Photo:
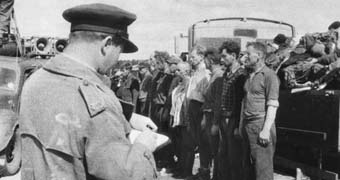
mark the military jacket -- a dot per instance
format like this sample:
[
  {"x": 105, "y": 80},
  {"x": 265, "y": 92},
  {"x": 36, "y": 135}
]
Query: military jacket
[{"x": 73, "y": 128}]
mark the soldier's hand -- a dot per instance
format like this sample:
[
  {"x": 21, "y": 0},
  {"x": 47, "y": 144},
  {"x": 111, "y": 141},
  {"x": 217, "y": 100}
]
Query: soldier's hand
[{"x": 148, "y": 139}]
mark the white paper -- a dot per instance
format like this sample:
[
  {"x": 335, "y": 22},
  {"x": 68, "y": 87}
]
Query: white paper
[
  {"x": 141, "y": 123},
  {"x": 160, "y": 141}
]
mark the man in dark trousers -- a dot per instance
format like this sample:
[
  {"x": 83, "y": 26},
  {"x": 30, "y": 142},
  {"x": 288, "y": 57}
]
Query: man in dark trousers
[
  {"x": 72, "y": 125},
  {"x": 197, "y": 85},
  {"x": 208, "y": 143},
  {"x": 154, "y": 101},
  {"x": 161, "y": 115},
  {"x": 226, "y": 94},
  {"x": 259, "y": 110}
]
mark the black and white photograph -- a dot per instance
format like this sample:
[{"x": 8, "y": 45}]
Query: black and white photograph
[{"x": 169, "y": 90}]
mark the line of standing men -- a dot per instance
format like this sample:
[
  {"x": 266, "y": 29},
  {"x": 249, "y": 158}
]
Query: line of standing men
[
  {"x": 224, "y": 106},
  {"x": 72, "y": 125}
]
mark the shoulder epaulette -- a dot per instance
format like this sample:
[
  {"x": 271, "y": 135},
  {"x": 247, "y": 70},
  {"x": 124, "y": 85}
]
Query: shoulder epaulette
[{"x": 94, "y": 101}]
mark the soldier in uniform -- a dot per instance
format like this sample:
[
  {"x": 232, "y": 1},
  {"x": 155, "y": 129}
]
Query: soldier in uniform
[{"x": 72, "y": 125}]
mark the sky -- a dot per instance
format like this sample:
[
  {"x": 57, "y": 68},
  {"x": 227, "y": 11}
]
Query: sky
[{"x": 159, "y": 21}]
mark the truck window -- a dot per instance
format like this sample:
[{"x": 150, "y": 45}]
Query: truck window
[
  {"x": 8, "y": 79},
  {"x": 246, "y": 33},
  {"x": 212, "y": 33}
]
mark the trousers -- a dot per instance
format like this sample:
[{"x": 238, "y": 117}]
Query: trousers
[
  {"x": 208, "y": 143},
  {"x": 191, "y": 135},
  {"x": 261, "y": 157}
]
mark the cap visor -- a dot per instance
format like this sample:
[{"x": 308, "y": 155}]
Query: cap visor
[{"x": 129, "y": 47}]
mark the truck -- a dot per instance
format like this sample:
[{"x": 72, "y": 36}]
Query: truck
[
  {"x": 213, "y": 32},
  {"x": 308, "y": 128},
  {"x": 15, "y": 67},
  {"x": 13, "y": 72}
]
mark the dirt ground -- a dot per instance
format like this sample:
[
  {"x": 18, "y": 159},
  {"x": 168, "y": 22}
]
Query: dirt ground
[
  {"x": 196, "y": 166},
  {"x": 164, "y": 176}
]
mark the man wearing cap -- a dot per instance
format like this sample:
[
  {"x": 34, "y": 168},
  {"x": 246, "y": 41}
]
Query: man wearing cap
[
  {"x": 128, "y": 91},
  {"x": 157, "y": 59},
  {"x": 166, "y": 86},
  {"x": 72, "y": 125},
  {"x": 161, "y": 101},
  {"x": 280, "y": 54}
]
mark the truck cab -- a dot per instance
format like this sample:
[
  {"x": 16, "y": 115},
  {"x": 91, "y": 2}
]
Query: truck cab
[
  {"x": 13, "y": 72},
  {"x": 213, "y": 32}
]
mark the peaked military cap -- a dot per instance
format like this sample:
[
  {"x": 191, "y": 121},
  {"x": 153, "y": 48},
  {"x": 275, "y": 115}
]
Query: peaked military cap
[{"x": 102, "y": 18}]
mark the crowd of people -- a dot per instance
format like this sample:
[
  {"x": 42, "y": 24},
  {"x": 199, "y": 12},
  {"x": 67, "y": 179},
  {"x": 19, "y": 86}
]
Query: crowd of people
[
  {"x": 218, "y": 103},
  {"x": 312, "y": 63},
  {"x": 221, "y": 103}
]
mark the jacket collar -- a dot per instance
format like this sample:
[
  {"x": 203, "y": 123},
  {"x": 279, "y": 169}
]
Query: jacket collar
[
  {"x": 66, "y": 66},
  {"x": 217, "y": 70},
  {"x": 261, "y": 69}
]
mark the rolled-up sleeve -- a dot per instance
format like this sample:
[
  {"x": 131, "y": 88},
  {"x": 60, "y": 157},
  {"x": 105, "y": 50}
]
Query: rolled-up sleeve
[
  {"x": 109, "y": 154},
  {"x": 272, "y": 86}
]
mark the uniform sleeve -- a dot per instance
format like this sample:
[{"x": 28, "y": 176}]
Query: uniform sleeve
[
  {"x": 272, "y": 85},
  {"x": 109, "y": 154}
]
